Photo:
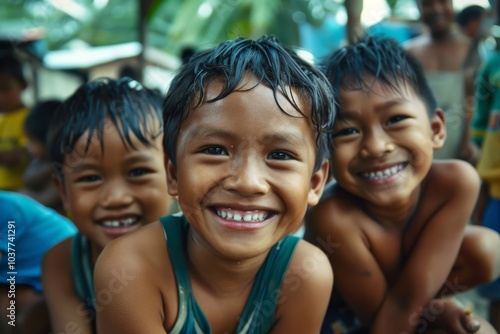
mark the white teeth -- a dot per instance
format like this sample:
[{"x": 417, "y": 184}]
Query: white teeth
[
  {"x": 383, "y": 173},
  {"x": 118, "y": 223},
  {"x": 246, "y": 217}
]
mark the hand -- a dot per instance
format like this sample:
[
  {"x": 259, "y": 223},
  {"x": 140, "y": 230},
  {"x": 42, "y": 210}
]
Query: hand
[{"x": 452, "y": 317}]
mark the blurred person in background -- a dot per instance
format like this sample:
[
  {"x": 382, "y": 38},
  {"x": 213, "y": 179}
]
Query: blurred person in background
[{"x": 13, "y": 141}]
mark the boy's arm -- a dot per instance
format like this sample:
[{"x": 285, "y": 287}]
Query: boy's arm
[
  {"x": 334, "y": 227},
  {"x": 136, "y": 304},
  {"x": 68, "y": 314},
  {"x": 434, "y": 252},
  {"x": 305, "y": 292}
]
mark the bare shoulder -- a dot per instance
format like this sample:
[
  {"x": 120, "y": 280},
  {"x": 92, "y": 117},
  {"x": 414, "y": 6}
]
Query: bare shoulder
[
  {"x": 309, "y": 271},
  {"x": 136, "y": 250},
  {"x": 456, "y": 175},
  {"x": 305, "y": 292},
  {"x": 137, "y": 266},
  {"x": 337, "y": 213}
]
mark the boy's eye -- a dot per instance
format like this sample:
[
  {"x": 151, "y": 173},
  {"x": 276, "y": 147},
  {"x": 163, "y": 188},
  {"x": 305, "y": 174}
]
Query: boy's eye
[
  {"x": 280, "y": 155},
  {"x": 214, "y": 150},
  {"x": 345, "y": 132},
  {"x": 396, "y": 119},
  {"x": 88, "y": 178},
  {"x": 139, "y": 172}
]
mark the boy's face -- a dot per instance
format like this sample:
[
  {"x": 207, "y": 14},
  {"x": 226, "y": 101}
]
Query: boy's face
[
  {"x": 383, "y": 143},
  {"x": 115, "y": 191},
  {"x": 244, "y": 173},
  {"x": 438, "y": 15},
  {"x": 10, "y": 92}
]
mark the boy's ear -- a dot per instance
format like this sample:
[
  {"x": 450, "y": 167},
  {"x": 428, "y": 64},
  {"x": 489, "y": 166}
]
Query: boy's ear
[
  {"x": 318, "y": 181},
  {"x": 59, "y": 184},
  {"x": 171, "y": 177},
  {"x": 438, "y": 126}
]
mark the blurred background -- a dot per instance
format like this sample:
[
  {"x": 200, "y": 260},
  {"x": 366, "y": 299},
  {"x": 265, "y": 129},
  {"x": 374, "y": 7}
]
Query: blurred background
[{"x": 66, "y": 42}]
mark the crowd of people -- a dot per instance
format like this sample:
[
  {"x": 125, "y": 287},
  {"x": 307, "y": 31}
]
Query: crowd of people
[{"x": 263, "y": 193}]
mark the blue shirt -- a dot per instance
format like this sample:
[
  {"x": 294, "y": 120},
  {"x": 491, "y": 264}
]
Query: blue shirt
[{"x": 28, "y": 230}]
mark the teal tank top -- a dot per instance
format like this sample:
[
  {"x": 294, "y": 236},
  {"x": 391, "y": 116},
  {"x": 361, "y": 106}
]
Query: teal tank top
[
  {"x": 259, "y": 312},
  {"x": 83, "y": 273}
]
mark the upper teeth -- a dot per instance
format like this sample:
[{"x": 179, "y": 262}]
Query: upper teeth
[
  {"x": 116, "y": 223},
  {"x": 239, "y": 216},
  {"x": 383, "y": 173}
]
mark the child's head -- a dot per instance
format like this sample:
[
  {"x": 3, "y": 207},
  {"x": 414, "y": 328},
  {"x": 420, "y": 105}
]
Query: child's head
[
  {"x": 272, "y": 64},
  {"x": 469, "y": 19},
  {"x": 387, "y": 124},
  {"x": 246, "y": 124},
  {"x": 438, "y": 15},
  {"x": 106, "y": 145},
  {"x": 36, "y": 126},
  {"x": 358, "y": 66},
  {"x": 12, "y": 82}
]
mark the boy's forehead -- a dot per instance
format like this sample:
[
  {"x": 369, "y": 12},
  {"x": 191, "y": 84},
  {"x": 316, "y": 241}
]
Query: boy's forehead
[{"x": 250, "y": 83}]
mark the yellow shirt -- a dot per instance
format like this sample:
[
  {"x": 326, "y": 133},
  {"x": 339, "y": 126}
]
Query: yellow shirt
[{"x": 12, "y": 137}]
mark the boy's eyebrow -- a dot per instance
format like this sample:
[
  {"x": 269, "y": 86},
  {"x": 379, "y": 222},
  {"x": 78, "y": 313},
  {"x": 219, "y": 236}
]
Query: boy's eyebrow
[
  {"x": 284, "y": 137},
  {"x": 391, "y": 103},
  {"x": 85, "y": 166},
  {"x": 140, "y": 157},
  {"x": 202, "y": 133},
  {"x": 346, "y": 114}
]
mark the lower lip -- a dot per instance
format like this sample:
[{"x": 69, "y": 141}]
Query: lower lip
[
  {"x": 242, "y": 226},
  {"x": 115, "y": 232}
]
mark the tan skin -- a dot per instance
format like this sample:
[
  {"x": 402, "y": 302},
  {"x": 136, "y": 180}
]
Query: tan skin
[
  {"x": 123, "y": 183},
  {"x": 390, "y": 232},
  {"x": 240, "y": 168},
  {"x": 444, "y": 49}
]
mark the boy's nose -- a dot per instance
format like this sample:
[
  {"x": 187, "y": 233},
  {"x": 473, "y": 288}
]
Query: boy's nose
[
  {"x": 116, "y": 194},
  {"x": 376, "y": 145},
  {"x": 247, "y": 177}
]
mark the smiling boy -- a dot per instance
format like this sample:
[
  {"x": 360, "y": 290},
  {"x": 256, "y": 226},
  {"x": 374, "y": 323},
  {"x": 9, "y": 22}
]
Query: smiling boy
[
  {"x": 106, "y": 140},
  {"x": 246, "y": 155},
  {"x": 398, "y": 218}
]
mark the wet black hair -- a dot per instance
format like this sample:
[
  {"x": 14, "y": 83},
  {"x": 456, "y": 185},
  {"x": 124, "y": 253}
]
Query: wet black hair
[
  {"x": 129, "y": 105},
  {"x": 377, "y": 58},
  {"x": 39, "y": 119},
  {"x": 273, "y": 64},
  {"x": 10, "y": 64}
]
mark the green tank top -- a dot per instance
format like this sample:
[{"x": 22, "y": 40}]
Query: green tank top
[
  {"x": 259, "y": 312},
  {"x": 83, "y": 274}
]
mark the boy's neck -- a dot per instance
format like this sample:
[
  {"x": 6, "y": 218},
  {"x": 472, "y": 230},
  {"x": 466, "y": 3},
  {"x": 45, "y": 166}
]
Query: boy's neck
[
  {"x": 222, "y": 277},
  {"x": 396, "y": 215},
  {"x": 443, "y": 36}
]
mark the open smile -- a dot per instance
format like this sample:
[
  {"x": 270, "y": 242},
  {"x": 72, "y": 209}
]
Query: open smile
[
  {"x": 118, "y": 226},
  {"x": 385, "y": 173},
  {"x": 242, "y": 219}
]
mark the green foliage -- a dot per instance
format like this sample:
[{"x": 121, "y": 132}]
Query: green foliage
[{"x": 172, "y": 24}]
